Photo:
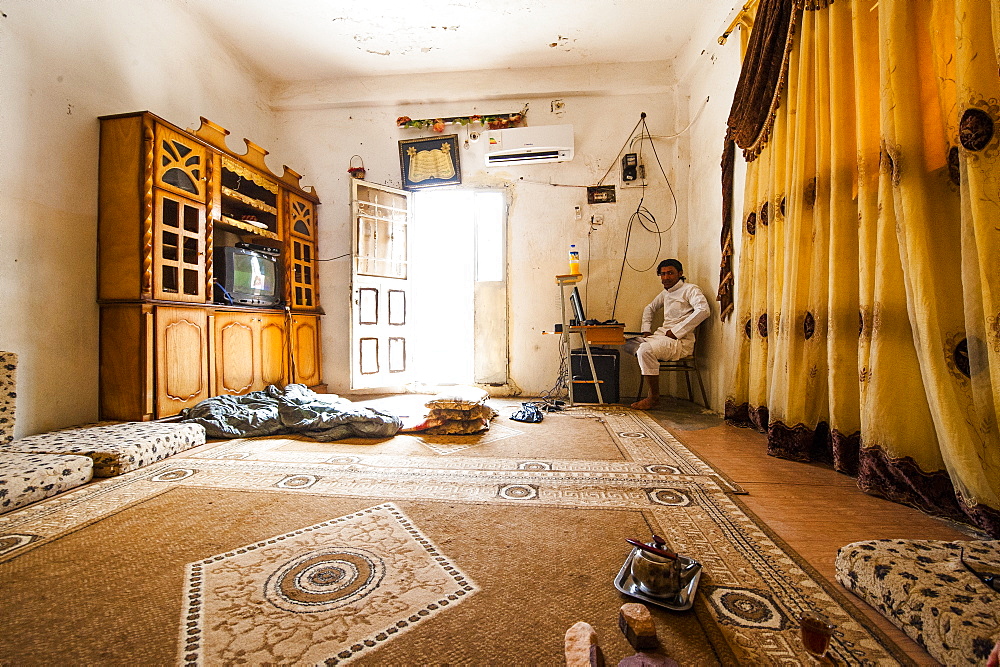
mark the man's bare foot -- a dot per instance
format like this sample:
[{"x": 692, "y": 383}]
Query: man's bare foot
[{"x": 646, "y": 404}]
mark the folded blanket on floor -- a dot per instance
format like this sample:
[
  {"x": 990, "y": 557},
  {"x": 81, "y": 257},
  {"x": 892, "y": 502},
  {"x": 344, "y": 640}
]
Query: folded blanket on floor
[{"x": 294, "y": 409}]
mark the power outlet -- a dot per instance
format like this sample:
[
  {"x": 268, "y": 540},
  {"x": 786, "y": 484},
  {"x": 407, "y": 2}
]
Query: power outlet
[{"x": 597, "y": 219}]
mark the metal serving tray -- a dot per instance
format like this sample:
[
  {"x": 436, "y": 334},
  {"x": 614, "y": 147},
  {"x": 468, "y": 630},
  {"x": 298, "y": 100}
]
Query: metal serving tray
[{"x": 690, "y": 576}]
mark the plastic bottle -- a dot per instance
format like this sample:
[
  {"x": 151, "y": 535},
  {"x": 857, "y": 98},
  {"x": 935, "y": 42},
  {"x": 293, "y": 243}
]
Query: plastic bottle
[{"x": 574, "y": 260}]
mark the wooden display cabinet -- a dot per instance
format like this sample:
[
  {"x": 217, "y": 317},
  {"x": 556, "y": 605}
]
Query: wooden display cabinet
[{"x": 167, "y": 198}]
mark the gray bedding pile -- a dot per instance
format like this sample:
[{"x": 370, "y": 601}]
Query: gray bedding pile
[{"x": 294, "y": 409}]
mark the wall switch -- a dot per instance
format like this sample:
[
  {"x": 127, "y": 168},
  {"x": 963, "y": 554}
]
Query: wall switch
[{"x": 578, "y": 213}]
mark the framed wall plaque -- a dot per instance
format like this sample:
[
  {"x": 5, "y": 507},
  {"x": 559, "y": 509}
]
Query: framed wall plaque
[{"x": 430, "y": 162}]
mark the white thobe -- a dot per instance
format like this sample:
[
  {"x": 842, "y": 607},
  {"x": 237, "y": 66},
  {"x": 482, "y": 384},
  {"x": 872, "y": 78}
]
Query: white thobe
[{"x": 684, "y": 307}]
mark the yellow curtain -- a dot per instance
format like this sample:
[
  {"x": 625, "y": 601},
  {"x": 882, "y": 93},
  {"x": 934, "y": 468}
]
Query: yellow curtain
[{"x": 868, "y": 288}]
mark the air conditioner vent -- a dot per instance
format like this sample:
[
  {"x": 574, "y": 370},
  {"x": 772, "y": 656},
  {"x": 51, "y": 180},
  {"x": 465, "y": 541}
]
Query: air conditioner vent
[{"x": 529, "y": 145}]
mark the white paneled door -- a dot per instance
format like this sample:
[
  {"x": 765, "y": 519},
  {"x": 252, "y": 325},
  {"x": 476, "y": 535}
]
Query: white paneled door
[{"x": 380, "y": 287}]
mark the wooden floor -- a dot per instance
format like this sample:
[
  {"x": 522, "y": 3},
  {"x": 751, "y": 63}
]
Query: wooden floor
[{"x": 810, "y": 506}]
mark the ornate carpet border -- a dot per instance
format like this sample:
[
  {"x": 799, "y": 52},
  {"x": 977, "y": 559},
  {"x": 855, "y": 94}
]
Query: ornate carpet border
[
  {"x": 49, "y": 519},
  {"x": 666, "y": 440},
  {"x": 831, "y": 589}
]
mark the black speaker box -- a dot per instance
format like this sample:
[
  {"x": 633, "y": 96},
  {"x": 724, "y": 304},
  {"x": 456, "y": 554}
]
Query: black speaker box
[{"x": 606, "y": 365}]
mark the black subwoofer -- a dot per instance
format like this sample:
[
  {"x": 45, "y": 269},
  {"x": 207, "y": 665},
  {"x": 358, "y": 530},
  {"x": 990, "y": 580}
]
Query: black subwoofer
[{"x": 606, "y": 365}]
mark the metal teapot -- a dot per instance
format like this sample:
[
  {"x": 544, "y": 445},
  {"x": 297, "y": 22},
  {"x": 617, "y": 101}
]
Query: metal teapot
[{"x": 655, "y": 569}]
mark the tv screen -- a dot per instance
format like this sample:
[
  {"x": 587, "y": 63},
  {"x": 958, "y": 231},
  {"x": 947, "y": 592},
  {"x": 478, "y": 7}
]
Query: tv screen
[{"x": 246, "y": 278}]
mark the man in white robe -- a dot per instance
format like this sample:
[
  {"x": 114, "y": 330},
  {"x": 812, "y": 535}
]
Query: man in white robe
[{"x": 684, "y": 307}]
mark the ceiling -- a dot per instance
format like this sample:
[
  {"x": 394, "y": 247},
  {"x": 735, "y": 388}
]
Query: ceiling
[{"x": 287, "y": 41}]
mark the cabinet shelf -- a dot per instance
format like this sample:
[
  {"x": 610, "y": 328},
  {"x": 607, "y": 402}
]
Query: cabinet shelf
[
  {"x": 236, "y": 205},
  {"x": 249, "y": 201},
  {"x": 249, "y": 227}
]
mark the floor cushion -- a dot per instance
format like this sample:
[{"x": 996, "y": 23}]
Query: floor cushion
[
  {"x": 461, "y": 410},
  {"x": 116, "y": 448},
  {"x": 938, "y": 593},
  {"x": 26, "y": 478},
  {"x": 8, "y": 395}
]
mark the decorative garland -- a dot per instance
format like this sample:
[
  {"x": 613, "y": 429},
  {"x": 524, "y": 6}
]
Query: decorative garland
[{"x": 494, "y": 122}]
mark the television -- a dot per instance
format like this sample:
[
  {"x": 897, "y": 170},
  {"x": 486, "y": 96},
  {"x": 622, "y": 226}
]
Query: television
[{"x": 246, "y": 277}]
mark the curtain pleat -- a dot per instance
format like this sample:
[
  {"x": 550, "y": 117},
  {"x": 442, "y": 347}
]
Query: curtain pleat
[
  {"x": 868, "y": 294},
  {"x": 843, "y": 285}
]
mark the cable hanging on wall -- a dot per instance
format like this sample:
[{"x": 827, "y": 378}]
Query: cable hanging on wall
[{"x": 642, "y": 215}]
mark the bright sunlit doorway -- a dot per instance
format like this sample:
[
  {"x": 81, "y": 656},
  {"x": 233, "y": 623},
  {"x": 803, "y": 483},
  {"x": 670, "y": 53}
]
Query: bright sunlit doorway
[{"x": 459, "y": 287}]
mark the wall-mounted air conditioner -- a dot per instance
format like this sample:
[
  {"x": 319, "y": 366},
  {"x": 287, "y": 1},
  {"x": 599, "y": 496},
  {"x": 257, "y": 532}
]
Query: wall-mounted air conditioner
[{"x": 529, "y": 145}]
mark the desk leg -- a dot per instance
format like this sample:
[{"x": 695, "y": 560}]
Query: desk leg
[
  {"x": 593, "y": 371},
  {"x": 566, "y": 364},
  {"x": 565, "y": 359}
]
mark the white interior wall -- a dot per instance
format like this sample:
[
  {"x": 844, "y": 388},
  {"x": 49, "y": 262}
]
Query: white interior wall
[
  {"x": 63, "y": 65},
  {"x": 325, "y": 123},
  {"x": 541, "y": 222},
  {"x": 708, "y": 87}
]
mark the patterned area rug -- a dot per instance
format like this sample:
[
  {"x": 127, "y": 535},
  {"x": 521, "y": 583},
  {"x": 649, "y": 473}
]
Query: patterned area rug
[{"x": 405, "y": 551}]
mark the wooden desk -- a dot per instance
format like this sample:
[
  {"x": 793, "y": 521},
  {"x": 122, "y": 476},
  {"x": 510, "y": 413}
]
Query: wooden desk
[
  {"x": 598, "y": 334},
  {"x": 602, "y": 334}
]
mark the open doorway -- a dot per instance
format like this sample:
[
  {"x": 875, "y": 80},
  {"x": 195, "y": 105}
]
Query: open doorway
[{"x": 459, "y": 287}]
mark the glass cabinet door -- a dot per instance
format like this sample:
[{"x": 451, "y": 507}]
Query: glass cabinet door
[
  {"x": 303, "y": 275},
  {"x": 178, "y": 249},
  {"x": 301, "y": 225},
  {"x": 179, "y": 164},
  {"x": 301, "y": 217}
]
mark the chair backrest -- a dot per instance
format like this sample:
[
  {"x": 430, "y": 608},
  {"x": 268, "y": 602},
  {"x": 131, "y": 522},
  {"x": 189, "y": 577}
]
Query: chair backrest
[
  {"x": 8, "y": 395},
  {"x": 694, "y": 348}
]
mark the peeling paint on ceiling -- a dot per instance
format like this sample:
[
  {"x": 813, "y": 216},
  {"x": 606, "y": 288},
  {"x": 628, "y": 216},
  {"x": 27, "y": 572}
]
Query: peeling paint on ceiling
[
  {"x": 305, "y": 40},
  {"x": 561, "y": 42}
]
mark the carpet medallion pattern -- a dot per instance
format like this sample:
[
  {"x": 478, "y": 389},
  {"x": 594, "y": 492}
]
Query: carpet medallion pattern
[
  {"x": 294, "y": 552},
  {"x": 320, "y": 594}
]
